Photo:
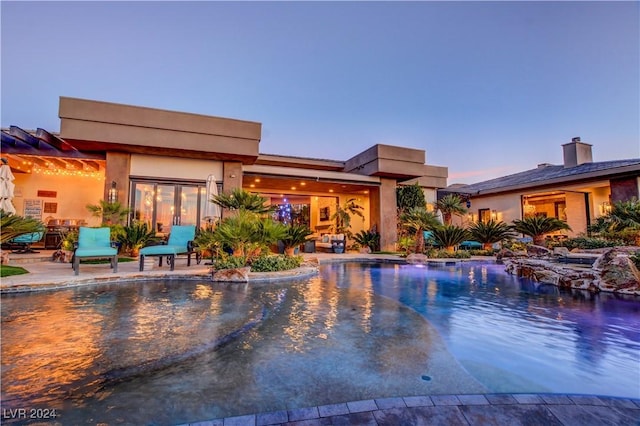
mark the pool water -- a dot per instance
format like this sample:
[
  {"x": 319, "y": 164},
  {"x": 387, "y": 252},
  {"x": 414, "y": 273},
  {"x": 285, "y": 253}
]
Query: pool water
[{"x": 168, "y": 352}]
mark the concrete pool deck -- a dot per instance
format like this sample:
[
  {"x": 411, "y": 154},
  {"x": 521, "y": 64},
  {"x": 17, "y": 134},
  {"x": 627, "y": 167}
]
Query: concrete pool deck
[{"x": 477, "y": 409}]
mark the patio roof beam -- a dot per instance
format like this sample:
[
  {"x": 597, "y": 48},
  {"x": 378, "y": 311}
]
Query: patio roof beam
[
  {"x": 31, "y": 140},
  {"x": 54, "y": 141}
]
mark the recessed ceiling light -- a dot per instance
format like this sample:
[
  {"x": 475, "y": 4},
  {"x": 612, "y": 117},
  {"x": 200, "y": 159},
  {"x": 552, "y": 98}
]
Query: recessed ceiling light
[
  {"x": 331, "y": 190},
  {"x": 256, "y": 180},
  {"x": 302, "y": 183},
  {"x": 293, "y": 188}
]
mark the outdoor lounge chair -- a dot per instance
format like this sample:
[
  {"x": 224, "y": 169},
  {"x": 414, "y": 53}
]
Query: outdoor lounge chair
[
  {"x": 23, "y": 242},
  {"x": 94, "y": 243},
  {"x": 180, "y": 242}
]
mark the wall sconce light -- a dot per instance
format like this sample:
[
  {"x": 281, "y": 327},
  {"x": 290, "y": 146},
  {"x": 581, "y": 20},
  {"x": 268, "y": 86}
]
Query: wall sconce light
[
  {"x": 468, "y": 204},
  {"x": 113, "y": 193},
  {"x": 494, "y": 215}
]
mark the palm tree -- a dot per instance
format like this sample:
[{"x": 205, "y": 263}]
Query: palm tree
[
  {"x": 111, "y": 213},
  {"x": 537, "y": 226},
  {"x": 417, "y": 220},
  {"x": 449, "y": 205},
  {"x": 490, "y": 232},
  {"x": 247, "y": 233},
  {"x": 239, "y": 199},
  {"x": 449, "y": 236},
  {"x": 342, "y": 216},
  {"x": 623, "y": 215}
]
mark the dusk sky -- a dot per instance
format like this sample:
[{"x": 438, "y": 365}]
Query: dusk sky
[{"x": 485, "y": 88}]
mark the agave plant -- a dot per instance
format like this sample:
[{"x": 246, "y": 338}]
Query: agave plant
[
  {"x": 239, "y": 199},
  {"x": 135, "y": 236},
  {"x": 449, "y": 205},
  {"x": 13, "y": 226},
  {"x": 369, "y": 239},
  {"x": 490, "y": 232},
  {"x": 416, "y": 220},
  {"x": 295, "y": 235},
  {"x": 537, "y": 226},
  {"x": 450, "y": 236}
]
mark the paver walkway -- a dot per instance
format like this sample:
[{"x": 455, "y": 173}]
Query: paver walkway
[{"x": 450, "y": 410}]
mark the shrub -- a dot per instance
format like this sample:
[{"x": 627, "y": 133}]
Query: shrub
[
  {"x": 635, "y": 258},
  {"x": 450, "y": 236},
  {"x": 229, "y": 262},
  {"x": 586, "y": 243},
  {"x": 481, "y": 252},
  {"x": 369, "y": 239},
  {"x": 410, "y": 196},
  {"x": 274, "y": 263},
  {"x": 439, "y": 253}
]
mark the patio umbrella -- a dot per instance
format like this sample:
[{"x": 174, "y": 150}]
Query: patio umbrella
[
  {"x": 6, "y": 188},
  {"x": 211, "y": 210}
]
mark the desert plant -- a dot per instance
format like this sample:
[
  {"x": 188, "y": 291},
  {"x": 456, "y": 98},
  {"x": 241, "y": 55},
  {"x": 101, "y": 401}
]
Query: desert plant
[
  {"x": 490, "y": 232},
  {"x": 248, "y": 234},
  {"x": 206, "y": 243},
  {"x": 409, "y": 196},
  {"x": 369, "y": 239},
  {"x": 69, "y": 240},
  {"x": 111, "y": 213},
  {"x": 405, "y": 244},
  {"x": 450, "y": 205},
  {"x": 295, "y": 236},
  {"x": 12, "y": 226},
  {"x": 449, "y": 236},
  {"x": 135, "y": 236},
  {"x": 415, "y": 221},
  {"x": 274, "y": 263},
  {"x": 537, "y": 226},
  {"x": 587, "y": 243},
  {"x": 342, "y": 216},
  {"x": 239, "y": 199}
]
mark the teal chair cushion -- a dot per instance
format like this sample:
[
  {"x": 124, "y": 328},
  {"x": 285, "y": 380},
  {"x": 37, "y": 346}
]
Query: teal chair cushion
[
  {"x": 28, "y": 238},
  {"x": 90, "y": 238},
  {"x": 181, "y": 235},
  {"x": 161, "y": 250},
  {"x": 95, "y": 252}
]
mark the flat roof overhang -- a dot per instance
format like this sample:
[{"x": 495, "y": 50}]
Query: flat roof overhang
[
  {"x": 97, "y": 126},
  {"x": 272, "y": 179}
]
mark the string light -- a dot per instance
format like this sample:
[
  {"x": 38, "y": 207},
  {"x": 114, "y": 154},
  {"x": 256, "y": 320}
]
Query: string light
[{"x": 67, "y": 172}]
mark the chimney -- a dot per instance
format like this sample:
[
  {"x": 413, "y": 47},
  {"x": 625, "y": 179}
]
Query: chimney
[{"x": 576, "y": 153}]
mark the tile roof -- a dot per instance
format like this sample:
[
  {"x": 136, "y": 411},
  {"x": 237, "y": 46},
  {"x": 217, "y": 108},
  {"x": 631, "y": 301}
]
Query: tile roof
[{"x": 547, "y": 173}]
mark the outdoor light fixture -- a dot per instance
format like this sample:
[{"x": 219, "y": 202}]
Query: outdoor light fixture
[
  {"x": 494, "y": 215},
  {"x": 113, "y": 193},
  {"x": 605, "y": 208}
]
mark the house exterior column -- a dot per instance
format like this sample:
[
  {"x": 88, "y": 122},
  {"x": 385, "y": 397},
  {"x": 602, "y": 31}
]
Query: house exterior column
[
  {"x": 117, "y": 169},
  {"x": 384, "y": 213}
]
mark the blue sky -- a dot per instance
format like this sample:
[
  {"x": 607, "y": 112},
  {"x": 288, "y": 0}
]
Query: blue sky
[{"x": 485, "y": 88}]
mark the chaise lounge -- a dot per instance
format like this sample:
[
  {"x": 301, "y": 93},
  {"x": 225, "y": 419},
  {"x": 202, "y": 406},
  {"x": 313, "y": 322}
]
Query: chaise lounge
[
  {"x": 24, "y": 242},
  {"x": 180, "y": 242},
  {"x": 94, "y": 243}
]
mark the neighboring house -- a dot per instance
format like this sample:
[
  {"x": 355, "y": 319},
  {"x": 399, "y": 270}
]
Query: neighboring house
[
  {"x": 158, "y": 163},
  {"x": 577, "y": 191}
]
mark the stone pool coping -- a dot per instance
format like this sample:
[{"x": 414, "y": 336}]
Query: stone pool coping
[
  {"x": 48, "y": 275},
  {"x": 464, "y": 409}
]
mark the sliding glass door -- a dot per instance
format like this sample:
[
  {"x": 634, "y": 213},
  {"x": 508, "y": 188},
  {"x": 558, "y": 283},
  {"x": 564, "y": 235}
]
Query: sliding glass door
[{"x": 164, "y": 204}]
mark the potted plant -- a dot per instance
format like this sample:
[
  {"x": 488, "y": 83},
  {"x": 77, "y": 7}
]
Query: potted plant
[
  {"x": 135, "y": 236},
  {"x": 295, "y": 236}
]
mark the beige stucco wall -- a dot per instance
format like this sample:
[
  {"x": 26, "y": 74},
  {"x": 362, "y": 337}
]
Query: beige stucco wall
[
  {"x": 176, "y": 168},
  {"x": 72, "y": 195}
]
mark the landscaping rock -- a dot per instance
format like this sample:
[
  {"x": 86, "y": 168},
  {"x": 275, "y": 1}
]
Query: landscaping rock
[
  {"x": 417, "y": 259},
  {"x": 538, "y": 251},
  {"x": 561, "y": 251},
  {"x": 613, "y": 271},
  {"x": 505, "y": 253},
  {"x": 238, "y": 275},
  {"x": 311, "y": 262}
]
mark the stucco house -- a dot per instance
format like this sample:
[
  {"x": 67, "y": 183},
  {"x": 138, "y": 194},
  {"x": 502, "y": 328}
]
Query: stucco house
[
  {"x": 158, "y": 162},
  {"x": 577, "y": 191}
]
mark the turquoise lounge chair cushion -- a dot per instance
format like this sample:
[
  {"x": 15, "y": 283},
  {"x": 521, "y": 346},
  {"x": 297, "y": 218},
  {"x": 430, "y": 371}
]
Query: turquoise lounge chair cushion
[
  {"x": 28, "y": 238},
  {"x": 90, "y": 238},
  {"x": 95, "y": 252},
  {"x": 178, "y": 242},
  {"x": 161, "y": 250}
]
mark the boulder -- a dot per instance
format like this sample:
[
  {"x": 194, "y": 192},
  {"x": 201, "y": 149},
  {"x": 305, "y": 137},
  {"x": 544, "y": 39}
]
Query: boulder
[
  {"x": 417, "y": 259},
  {"x": 505, "y": 253},
  {"x": 237, "y": 275},
  {"x": 312, "y": 262},
  {"x": 561, "y": 251},
  {"x": 613, "y": 271},
  {"x": 538, "y": 251}
]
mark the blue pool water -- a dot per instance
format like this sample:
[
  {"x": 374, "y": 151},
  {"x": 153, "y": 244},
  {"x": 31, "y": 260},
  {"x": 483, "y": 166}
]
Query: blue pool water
[{"x": 169, "y": 352}]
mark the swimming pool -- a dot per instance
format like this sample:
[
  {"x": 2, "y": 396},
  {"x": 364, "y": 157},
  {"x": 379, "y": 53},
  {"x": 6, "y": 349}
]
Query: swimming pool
[{"x": 168, "y": 352}]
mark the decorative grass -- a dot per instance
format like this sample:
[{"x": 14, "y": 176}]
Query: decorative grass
[{"x": 7, "y": 271}]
